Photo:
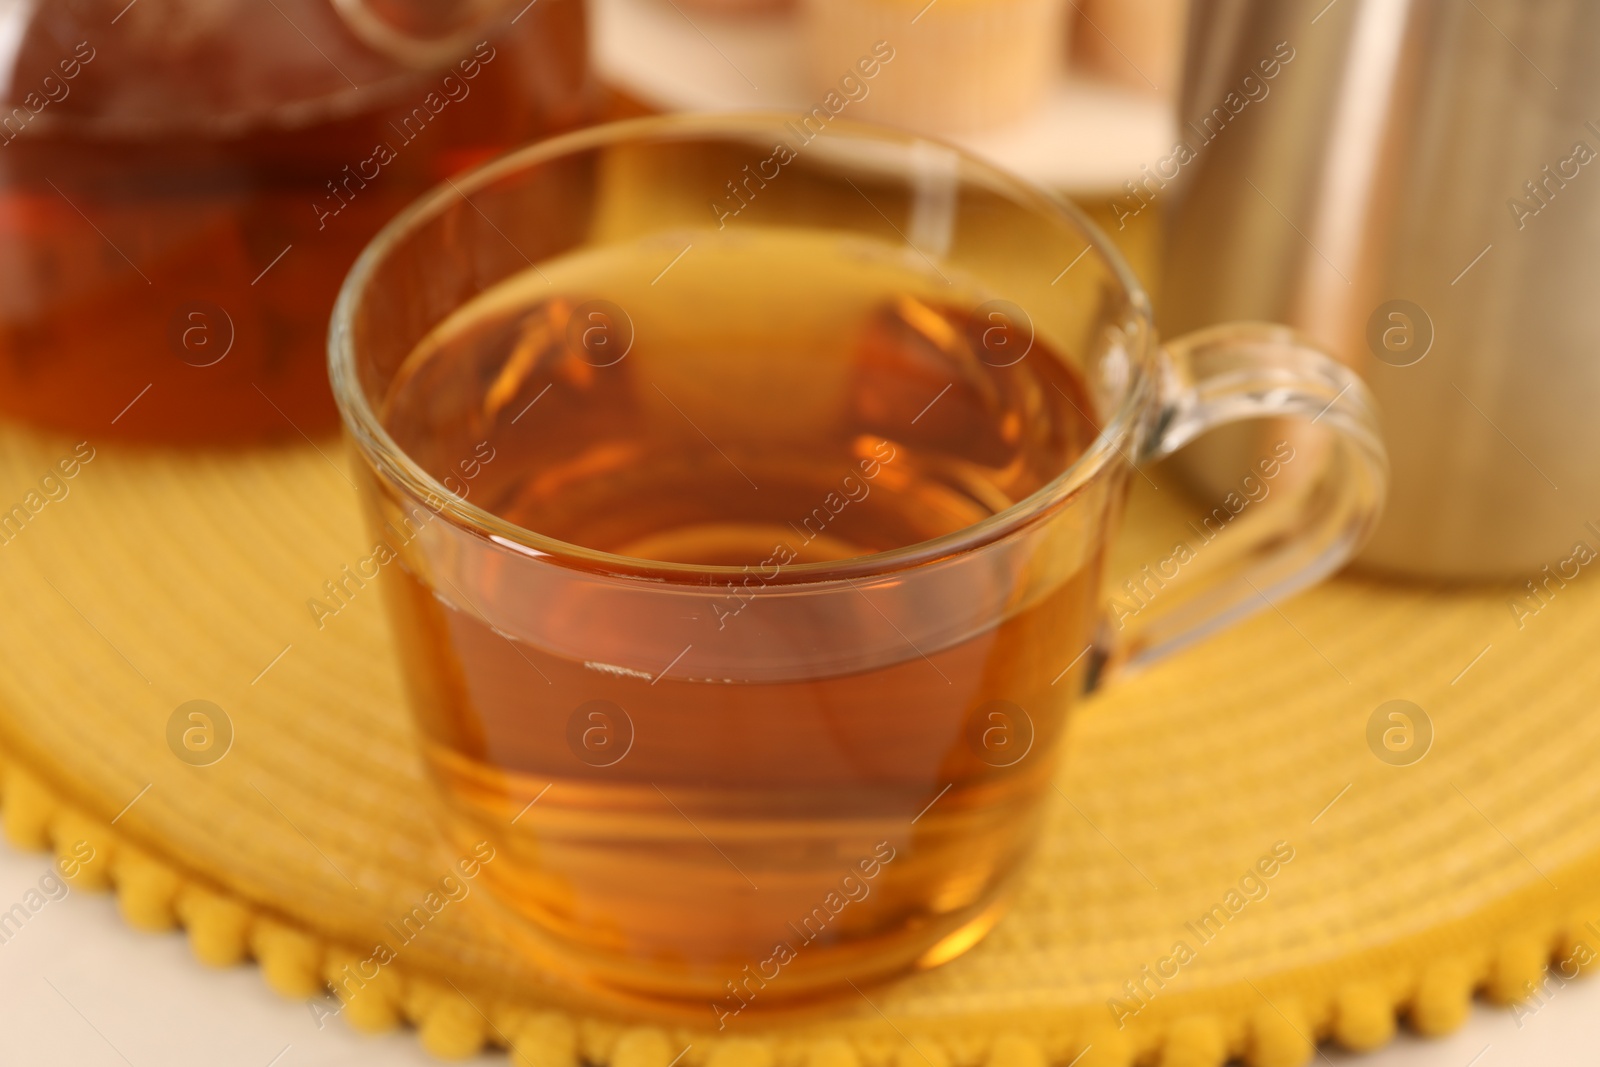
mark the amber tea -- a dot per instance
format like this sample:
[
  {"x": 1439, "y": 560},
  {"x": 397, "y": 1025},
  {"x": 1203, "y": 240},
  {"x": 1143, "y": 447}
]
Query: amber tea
[
  {"x": 739, "y": 799},
  {"x": 182, "y": 187}
]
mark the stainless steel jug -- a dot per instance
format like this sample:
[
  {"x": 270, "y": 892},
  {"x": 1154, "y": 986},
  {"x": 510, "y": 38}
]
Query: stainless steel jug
[{"x": 1415, "y": 184}]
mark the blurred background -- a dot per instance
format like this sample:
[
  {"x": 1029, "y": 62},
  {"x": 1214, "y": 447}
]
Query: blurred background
[{"x": 1391, "y": 177}]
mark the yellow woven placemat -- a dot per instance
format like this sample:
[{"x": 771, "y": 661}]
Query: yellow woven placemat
[{"x": 1229, "y": 870}]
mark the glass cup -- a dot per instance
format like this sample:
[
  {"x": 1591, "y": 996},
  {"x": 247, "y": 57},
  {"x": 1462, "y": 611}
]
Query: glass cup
[{"x": 716, "y": 778}]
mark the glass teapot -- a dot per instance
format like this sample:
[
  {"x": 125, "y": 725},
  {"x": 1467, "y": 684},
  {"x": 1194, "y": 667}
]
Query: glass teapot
[{"x": 184, "y": 183}]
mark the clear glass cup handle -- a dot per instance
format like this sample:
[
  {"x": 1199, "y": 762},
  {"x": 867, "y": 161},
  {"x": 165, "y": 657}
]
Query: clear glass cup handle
[{"x": 1319, "y": 519}]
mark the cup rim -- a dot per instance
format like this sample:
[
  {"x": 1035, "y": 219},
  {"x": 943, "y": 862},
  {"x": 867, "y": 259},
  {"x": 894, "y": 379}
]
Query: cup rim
[{"x": 380, "y": 449}]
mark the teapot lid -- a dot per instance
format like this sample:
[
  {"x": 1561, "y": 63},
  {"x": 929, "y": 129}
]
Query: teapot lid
[{"x": 219, "y": 67}]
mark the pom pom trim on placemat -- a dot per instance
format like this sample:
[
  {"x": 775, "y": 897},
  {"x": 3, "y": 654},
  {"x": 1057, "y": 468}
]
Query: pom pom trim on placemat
[{"x": 1509, "y": 952}]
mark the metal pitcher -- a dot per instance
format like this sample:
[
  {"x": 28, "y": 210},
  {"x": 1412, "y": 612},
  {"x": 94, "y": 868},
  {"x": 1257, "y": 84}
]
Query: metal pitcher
[{"x": 1416, "y": 184}]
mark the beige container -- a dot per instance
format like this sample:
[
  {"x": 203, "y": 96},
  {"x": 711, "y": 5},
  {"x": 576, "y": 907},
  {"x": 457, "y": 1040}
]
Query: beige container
[
  {"x": 957, "y": 65},
  {"x": 736, "y": 7},
  {"x": 1136, "y": 43}
]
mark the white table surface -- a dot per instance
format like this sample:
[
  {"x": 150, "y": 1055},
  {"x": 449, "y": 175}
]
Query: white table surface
[{"x": 77, "y": 987}]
